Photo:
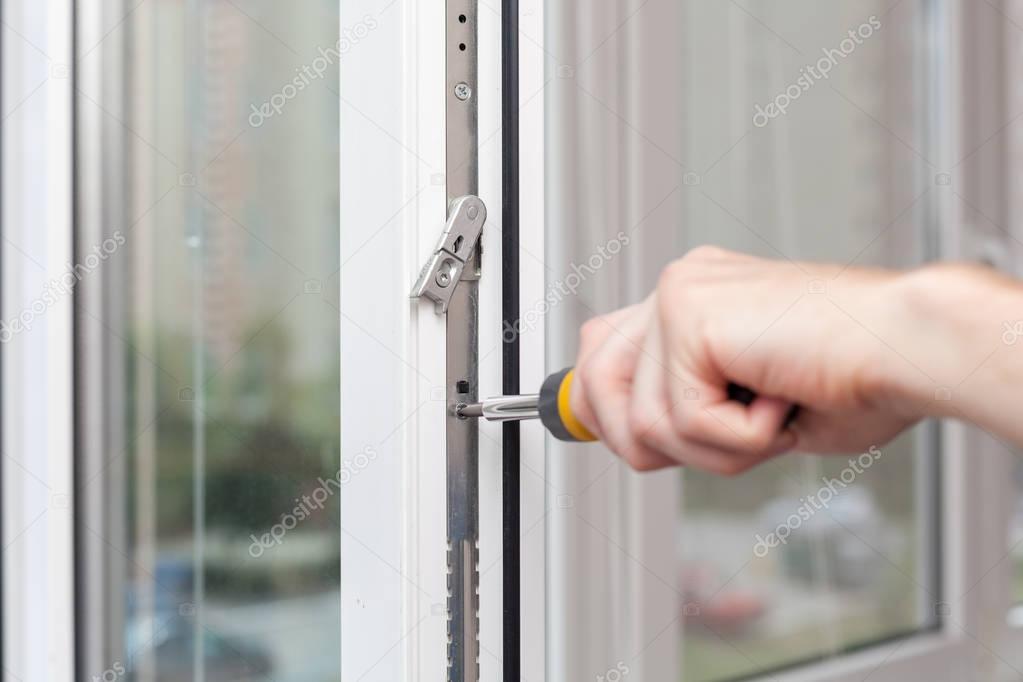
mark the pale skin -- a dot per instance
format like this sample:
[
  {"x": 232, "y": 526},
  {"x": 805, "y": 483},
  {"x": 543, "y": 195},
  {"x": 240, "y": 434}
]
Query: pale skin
[{"x": 863, "y": 353}]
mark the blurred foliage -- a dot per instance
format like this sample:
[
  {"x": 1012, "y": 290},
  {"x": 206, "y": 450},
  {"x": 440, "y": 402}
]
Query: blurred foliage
[{"x": 269, "y": 438}]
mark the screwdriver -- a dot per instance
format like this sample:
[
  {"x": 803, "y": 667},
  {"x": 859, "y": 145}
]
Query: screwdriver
[{"x": 551, "y": 406}]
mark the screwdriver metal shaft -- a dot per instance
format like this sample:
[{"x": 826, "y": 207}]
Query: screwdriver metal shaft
[
  {"x": 503, "y": 408},
  {"x": 551, "y": 406}
]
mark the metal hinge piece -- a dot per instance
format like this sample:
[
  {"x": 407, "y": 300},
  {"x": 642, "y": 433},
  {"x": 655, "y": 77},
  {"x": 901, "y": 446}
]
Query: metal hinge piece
[{"x": 442, "y": 272}]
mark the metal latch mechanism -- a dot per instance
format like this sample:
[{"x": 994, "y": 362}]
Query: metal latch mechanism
[{"x": 445, "y": 268}]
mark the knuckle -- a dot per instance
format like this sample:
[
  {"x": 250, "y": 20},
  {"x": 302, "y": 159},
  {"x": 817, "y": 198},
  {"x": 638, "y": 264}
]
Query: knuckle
[
  {"x": 760, "y": 439},
  {"x": 671, "y": 275},
  {"x": 679, "y": 271},
  {"x": 708, "y": 427},
  {"x": 640, "y": 461},
  {"x": 650, "y": 441},
  {"x": 723, "y": 462},
  {"x": 591, "y": 373},
  {"x": 630, "y": 457},
  {"x": 705, "y": 252},
  {"x": 642, "y": 421},
  {"x": 590, "y": 331},
  {"x": 651, "y": 431},
  {"x": 730, "y": 467},
  {"x": 646, "y": 465},
  {"x": 678, "y": 292},
  {"x": 682, "y": 422}
]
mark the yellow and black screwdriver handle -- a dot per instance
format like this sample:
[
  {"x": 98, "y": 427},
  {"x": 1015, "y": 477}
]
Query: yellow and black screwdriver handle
[{"x": 556, "y": 411}]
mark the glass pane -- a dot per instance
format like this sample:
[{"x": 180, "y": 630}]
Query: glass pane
[
  {"x": 223, "y": 340},
  {"x": 789, "y": 130},
  {"x": 806, "y": 557}
]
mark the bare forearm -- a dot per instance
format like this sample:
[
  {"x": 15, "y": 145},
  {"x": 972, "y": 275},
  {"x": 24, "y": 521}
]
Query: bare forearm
[{"x": 963, "y": 354}]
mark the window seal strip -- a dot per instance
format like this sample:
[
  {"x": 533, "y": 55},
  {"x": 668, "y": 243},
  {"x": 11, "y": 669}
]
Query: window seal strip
[{"x": 510, "y": 356}]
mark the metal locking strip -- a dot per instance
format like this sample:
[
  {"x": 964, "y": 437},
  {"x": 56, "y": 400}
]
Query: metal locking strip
[
  {"x": 462, "y": 435},
  {"x": 450, "y": 280}
]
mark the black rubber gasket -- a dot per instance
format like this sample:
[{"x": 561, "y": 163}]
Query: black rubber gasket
[{"x": 510, "y": 466}]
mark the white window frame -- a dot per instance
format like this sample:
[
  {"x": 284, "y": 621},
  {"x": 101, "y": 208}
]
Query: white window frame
[
  {"x": 36, "y": 405},
  {"x": 393, "y": 515},
  {"x": 1002, "y": 246}
]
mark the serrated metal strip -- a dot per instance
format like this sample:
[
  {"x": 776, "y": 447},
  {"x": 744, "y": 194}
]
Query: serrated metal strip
[{"x": 462, "y": 435}]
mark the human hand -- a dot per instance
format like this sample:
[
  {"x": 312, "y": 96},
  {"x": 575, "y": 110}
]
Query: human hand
[{"x": 652, "y": 379}]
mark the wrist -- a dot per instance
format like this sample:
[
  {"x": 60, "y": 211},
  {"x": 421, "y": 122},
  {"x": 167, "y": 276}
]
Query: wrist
[{"x": 947, "y": 316}]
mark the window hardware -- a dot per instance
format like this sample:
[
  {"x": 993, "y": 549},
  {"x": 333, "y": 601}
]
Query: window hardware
[{"x": 442, "y": 272}]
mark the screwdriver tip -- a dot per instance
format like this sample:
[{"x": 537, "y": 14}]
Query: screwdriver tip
[{"x": 469, "y": 410}]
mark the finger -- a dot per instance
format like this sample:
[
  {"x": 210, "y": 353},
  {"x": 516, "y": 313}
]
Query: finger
[
  {"x": 593, "y": 335},
  {"x": 724, "y": 462},
  {"x": 607, "y": 381},
  {"x": 597, "y": 329},
  {"x": 649, "y": 407},
  {"x": 642, "y": 458},
  {"x": 729, "y": 425},
  {"x": 627, "y": 443},
  {"x": 651, "y": 423},
  {"x": 697, "y": 389},
  {"x": 702, "y": 411}
]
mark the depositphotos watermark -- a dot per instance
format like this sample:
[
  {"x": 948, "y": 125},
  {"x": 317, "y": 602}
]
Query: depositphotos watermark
[
  {"x": 1013, "y": 332},
  {"x": 111, "y": 674},
  {"x": 567, "y": 286},
  {"x": 307, "y": 504},
  {"x": 812, "y": 504},
  {"x": 810, "y": 75},
  {"x": 615, "y": 674},
  {"x": 315, "y": 70},
  {"x": 59, "y": 287}
]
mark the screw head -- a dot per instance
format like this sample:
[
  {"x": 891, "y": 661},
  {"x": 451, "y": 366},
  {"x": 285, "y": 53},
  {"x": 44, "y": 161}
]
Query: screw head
[
  {"x": 445, "y": 274},
  {"x": 463, "y": 91},
  {"x": 473, "y": 212}
]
